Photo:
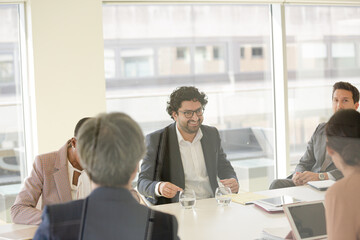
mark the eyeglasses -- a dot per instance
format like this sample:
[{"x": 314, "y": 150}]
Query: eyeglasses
[{"x": 189, "y": 113}]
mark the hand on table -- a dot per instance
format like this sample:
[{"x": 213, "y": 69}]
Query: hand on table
[
  {"x": 231, "y": 183},
  {"x": 304, "y": 177},
  {"x": 168, "y": 190}
]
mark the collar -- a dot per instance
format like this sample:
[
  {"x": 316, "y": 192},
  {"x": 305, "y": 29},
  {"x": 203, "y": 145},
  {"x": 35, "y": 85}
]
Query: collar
[
  {"x": 197, "y": 138},
  {"x": 110, "y": 193},
  {"x": 63, "y": 159}
]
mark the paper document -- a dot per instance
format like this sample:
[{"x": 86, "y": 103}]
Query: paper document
[
  {"x": 268, "y": 208},
  {"x": 321, "y": 185},
  {"x": 246, "y": 198}
]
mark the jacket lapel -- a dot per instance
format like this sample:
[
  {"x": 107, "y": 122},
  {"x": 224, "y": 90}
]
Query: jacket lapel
[
  {"x": 210, "y": 158},
  {"x": 61, "y": 175}
]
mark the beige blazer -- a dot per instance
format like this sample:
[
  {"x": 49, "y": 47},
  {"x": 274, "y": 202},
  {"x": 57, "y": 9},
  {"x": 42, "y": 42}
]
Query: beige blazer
[{"x": 49, "y": 178}]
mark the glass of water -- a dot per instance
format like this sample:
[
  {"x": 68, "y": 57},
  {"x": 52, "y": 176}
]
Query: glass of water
[
  {"x": 187, "y": 198},
  {"x": 223, "y": 196}
]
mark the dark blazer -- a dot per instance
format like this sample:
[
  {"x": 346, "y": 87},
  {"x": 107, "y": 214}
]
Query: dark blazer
[
  {"x": 315, "y": 155},
  {"x": 162, "y": 161},
  {"x": 107, "y": 213}
]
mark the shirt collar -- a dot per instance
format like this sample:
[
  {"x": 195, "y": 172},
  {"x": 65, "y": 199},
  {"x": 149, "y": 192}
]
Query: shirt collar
[{"x": 197, "y": 138}]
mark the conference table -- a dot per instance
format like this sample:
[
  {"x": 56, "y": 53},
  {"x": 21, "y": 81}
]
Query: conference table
[{"x": 209, "y": 221}]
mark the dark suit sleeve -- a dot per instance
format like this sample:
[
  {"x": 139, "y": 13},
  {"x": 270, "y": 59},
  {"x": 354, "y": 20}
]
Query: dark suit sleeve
[
  {"x": 165, "y": 227},
  {"x": 146, "y": 183},
  {"x": 308, "y": 160},
  {"x": 225, "y": 170},
  {"x": 336, "y": 173},
  {"x": 43, "y": 232}
]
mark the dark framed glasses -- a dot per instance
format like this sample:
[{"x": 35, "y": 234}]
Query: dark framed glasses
[{"x": 189, "y": 113}]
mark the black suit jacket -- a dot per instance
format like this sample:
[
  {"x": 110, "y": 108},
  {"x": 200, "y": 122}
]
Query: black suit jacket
[
  {"x": 107, "y": 213},
  {"x": 162, "y": 161}
]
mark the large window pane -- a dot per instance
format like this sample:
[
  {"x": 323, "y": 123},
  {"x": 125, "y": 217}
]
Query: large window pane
[
  {"x": 224, "y": 50},
  {"x": 322, "y": 48},
  {"x": 11, "y": 108}
]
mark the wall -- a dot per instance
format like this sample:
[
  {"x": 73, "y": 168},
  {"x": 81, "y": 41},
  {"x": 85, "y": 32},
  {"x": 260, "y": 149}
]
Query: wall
[{"x": 67, "y": 59}]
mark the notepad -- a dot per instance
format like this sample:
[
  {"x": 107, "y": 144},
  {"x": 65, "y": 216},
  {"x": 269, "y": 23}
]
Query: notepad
[
  {"x": 246, "y": 198},
  {"x": 321, "y": 185}
]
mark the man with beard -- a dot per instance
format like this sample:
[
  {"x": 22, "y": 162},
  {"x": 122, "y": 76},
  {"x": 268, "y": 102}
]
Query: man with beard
[{"x": 185, "y": 154}]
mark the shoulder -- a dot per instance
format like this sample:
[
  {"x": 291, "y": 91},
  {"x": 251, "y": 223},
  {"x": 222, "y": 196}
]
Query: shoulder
[
  {"x": 321, "y": 127},
  {"x": 209, "y": 129},
  {"x": 47, "y": 160},
  {"x": 156, "y": 135}
]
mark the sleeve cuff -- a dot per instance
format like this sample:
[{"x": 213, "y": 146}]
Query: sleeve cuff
[
  {"x": 330, "y": 176},
  {"x": 157, "y": 194}
]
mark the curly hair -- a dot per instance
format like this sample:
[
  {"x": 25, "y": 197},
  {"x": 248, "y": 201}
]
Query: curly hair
[
  {"x": 343, "y": 135},
  {"x": 185, "y": 93},
  {"x": 347, "y": 86}
]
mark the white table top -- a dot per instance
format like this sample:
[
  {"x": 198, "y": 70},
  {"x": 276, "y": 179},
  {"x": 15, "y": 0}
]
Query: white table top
[
  {"x": 17, "y": 231},
  {"x": 210, "y": 221},
  {"x": 207, "y": 220}
]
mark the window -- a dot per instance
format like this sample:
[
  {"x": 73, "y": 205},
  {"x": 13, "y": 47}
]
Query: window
[
  {"x": 109, "y": 65},
  {"x": 137, "y": 62},
  {"x": 242, "y": 52},
  {"x": 12, "y": 147},
  {"x": 170, "y": 64},
  {"x": 208, "y": 59},
  {"x": 257, "y": 52},
  {"x": 181, "y": 53},
  {"x": 322, "y": 49},
  {"x": 216, "y": 53},
  {"x": 200, "y": 51}
]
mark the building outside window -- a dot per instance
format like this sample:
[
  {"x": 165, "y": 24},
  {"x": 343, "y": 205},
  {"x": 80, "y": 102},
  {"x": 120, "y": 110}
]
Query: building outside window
[
  {"x": 195, "y": 45},
  {"x": 12, "y": 146},
  {"x": 322, "y": 48}
]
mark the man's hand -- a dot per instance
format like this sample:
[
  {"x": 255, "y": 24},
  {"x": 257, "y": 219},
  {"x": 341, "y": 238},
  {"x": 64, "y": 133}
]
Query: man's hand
[
  {"x": 168, "y": 190},
  {"x": 296, "y": 179},
  {"x": 303, "y": 178},
  {"x": 231, "y": 183}
]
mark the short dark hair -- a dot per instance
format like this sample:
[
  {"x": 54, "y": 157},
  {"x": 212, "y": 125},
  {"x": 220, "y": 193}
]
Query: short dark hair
[
  {"x": 79, "y": 124},
  {"x": 185, "y": 93},
  {"x": 347, "y": 86},
  {"x": 343, "y": 135}
]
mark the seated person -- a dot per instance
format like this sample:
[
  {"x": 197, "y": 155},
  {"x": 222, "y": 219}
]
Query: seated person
[
  {"x": 185, "y": 154},
  {"x": 342, "y": 199},
  {"x": 110, "y": 147},
  {"x": 315, "y": 164},
  {"x": 55, "y": 177}
]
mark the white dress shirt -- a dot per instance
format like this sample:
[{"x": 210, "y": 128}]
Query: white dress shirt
[
  {"x": 83, "y": 188},
  {"x": 192, "y": 157}
]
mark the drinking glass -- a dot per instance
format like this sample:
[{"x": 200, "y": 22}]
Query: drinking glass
[
  {"x": 187, "y": 198},
  {"x": 223, "y": 196}
]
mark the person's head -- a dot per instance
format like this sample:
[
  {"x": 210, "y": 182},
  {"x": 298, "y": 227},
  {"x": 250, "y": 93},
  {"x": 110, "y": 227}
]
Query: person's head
[
  {"x": 343, "y": 138},
  {"x": 72, "y": 143},
  {"x": 110, "y": 147},
  {"x": 186, "y": 106},
  {"x": 344, "y": 96}
]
